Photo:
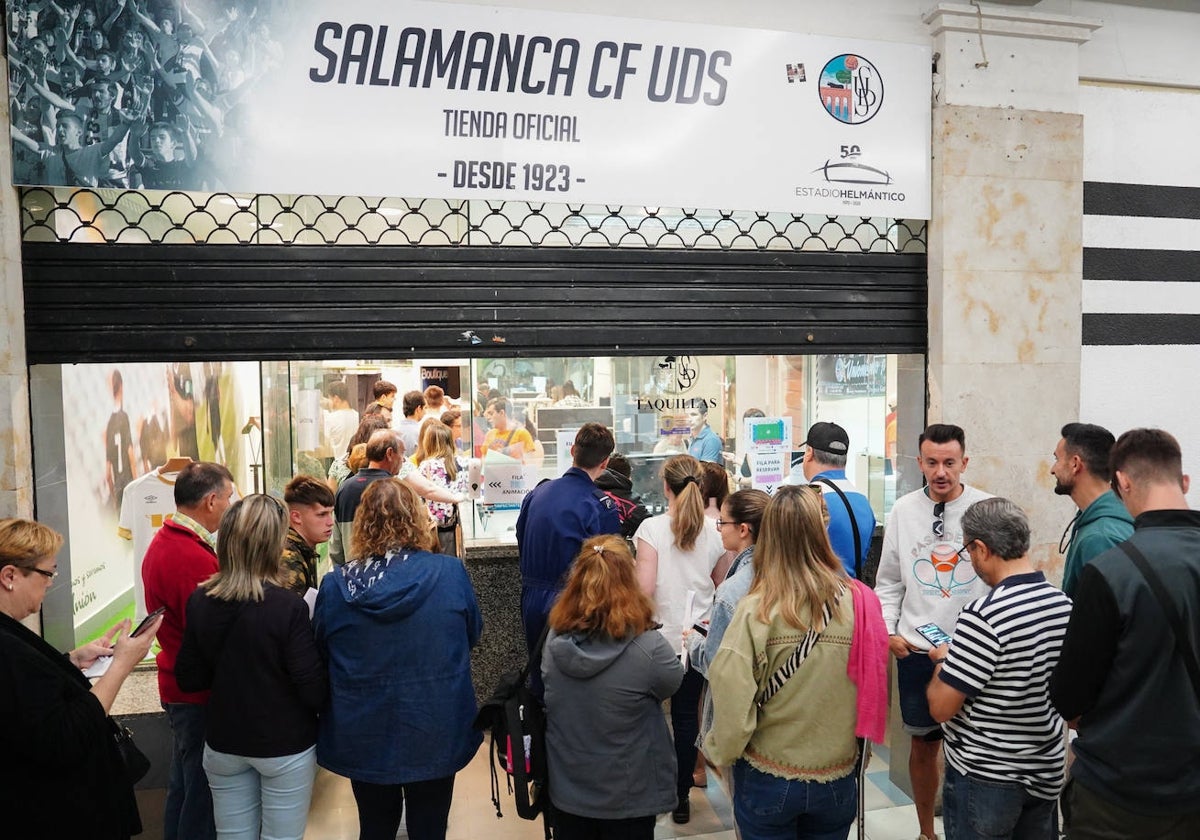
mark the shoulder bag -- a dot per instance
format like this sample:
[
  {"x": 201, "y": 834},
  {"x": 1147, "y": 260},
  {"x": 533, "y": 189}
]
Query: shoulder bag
[
  {"x": 1183, "y": 641},
  {"x": 853, "y": 527},
  {"x": 785, "y": 671}
]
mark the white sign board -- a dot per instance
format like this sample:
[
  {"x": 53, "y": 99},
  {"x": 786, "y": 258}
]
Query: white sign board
[
  {"x": 432, "y": 100},
  {"x": 564, "y": 439},
  {"x": 769, "y": 450},
  {"x": 508, "y": 483}
]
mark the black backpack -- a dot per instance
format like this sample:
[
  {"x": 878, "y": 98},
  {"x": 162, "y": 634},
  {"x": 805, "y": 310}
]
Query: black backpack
[{"x": 514, "y": 715}]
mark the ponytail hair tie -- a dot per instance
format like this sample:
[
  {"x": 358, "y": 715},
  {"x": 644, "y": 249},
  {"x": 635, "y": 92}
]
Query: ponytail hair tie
[
  {"x": 598, "y": 549},
  {"x": 691, "y": 479}
]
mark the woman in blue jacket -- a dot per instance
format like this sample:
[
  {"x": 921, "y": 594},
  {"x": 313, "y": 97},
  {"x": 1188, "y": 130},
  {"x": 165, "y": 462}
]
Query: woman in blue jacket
[{"x": 396, "y": 625}]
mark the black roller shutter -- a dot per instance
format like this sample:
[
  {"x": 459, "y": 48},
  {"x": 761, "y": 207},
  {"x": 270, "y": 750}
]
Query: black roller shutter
[{"x": 185, "y": 302}]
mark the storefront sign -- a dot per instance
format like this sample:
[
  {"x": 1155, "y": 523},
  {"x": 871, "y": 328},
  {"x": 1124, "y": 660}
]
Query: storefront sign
[
  {"x": 851, "y": 376},
  {"x": 769, "y": 450},
  {"x": 445, "y": 377},
  {"x": 404, "y": 98}
]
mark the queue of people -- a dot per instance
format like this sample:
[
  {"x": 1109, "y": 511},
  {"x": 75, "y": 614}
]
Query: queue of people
[{"x": 786, "y": 654}]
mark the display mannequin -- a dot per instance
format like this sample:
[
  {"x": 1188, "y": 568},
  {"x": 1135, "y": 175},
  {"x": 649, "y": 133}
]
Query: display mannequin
[{"x": 146, "y": 502}]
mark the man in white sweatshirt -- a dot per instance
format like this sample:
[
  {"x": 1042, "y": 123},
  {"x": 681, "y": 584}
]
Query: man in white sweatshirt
[{"x": 925, "y": 577}]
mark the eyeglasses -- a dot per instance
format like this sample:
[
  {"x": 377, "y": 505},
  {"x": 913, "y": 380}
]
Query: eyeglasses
[
  {"x": 44, "y": 573},
  {"x": 721, "y": 523},
  {"x": 939, "y": 527},
  {"x": 964, "y": 548}
]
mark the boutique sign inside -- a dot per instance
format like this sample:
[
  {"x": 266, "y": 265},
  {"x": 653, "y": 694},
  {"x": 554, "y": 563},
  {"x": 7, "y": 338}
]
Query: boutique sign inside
[{"x": 417, "y": 99}]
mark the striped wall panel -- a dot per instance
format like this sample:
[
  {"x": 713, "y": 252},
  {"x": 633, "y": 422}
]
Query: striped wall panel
[{"x": 1141, "y": 269}]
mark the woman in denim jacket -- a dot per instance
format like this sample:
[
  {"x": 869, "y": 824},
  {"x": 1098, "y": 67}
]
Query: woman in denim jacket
[{"x": 396, "y": 625}]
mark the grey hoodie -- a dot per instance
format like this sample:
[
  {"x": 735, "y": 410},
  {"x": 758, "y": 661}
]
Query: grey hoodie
[{"x": 610, "y": 753}]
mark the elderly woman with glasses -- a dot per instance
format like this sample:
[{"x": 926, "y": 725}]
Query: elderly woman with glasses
[
  {"x": 397, "y": 624},
  {"x": 248, "y": 639},
  {"x": 59, "y": 763}
]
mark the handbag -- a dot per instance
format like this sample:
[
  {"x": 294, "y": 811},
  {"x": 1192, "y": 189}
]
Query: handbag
[{"x": 135, "y": 761}]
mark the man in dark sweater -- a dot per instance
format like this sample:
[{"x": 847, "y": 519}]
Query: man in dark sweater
[
  {"x": 385, "y": 454},
  {"x": 1121, "y": 678}
]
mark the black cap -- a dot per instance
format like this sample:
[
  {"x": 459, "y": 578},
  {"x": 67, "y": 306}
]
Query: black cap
[{"x": 828, "y": 437}]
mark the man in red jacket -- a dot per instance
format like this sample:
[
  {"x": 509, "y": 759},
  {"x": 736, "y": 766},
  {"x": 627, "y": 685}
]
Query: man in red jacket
[{"x": 181, "y": 555}]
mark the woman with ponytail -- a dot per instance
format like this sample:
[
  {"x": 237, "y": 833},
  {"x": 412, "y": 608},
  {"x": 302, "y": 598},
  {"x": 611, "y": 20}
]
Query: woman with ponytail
[
  {"x": 677, "y": 553},
  {"x": 607, "y": 671}
]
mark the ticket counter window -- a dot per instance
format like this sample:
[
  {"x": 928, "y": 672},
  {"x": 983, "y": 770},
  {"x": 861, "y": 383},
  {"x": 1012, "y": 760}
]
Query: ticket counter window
[{"x": 104, "y": 428}]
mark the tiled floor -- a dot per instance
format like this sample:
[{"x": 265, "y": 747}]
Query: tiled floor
[{"x": 890, "y": 814}]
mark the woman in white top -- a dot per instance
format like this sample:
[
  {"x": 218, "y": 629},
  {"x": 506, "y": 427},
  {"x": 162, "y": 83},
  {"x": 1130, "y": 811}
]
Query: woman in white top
[{"x": 677, "y": 553}]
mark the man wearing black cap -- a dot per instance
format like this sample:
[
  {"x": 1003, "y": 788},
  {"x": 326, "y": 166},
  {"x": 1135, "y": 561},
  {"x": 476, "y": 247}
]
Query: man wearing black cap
[{"x": 851, "y": 520}]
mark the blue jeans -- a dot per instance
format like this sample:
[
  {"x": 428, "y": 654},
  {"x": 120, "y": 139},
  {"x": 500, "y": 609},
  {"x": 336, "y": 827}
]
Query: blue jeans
[
  {"x": 261, "y": 797},
  {"x": 189, "y": 811},
  {"x": 977, "y": 808},
  {"x": 768, "y": 807}
]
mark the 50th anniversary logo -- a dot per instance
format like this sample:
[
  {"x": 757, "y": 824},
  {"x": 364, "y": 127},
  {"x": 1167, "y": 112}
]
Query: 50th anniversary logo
[{"x": 850, "y": 89}]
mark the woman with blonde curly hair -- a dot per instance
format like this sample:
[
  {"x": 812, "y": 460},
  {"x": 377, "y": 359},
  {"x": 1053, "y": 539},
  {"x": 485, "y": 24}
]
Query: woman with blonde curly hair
[
  {"x": 677, "y": 554},
  {"x": 396, "y": 625},
  {"x": 606, "y": 672}
]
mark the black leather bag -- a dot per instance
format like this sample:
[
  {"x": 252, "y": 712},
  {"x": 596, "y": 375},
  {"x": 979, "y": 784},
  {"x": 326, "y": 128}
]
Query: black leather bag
[{"x": 135, "y": 761}]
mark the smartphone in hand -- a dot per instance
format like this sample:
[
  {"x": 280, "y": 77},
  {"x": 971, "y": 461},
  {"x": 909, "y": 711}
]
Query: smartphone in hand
[
  {"x": 147, "y": 621},
  {"x": 933, "y": 634}
]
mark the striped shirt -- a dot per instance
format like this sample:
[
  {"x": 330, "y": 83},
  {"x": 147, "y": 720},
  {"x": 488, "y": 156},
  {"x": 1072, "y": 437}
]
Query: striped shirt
[{"x": 1005, "y": 646}]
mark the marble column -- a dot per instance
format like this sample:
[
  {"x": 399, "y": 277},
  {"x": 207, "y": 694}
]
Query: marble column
[
  {"x": 1005, "y": 248},
  {"x": 16, "y": 478},
  {"x": 1005, "y": 257}
]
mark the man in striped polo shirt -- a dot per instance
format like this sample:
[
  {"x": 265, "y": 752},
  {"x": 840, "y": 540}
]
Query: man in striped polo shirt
[{"x": 991, "y": 688}]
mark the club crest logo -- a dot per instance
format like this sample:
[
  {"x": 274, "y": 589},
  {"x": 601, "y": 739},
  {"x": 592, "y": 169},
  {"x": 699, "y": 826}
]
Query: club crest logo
[
  {"x": 851, "y": 89},
  {"x": 676, "y": 374}
]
